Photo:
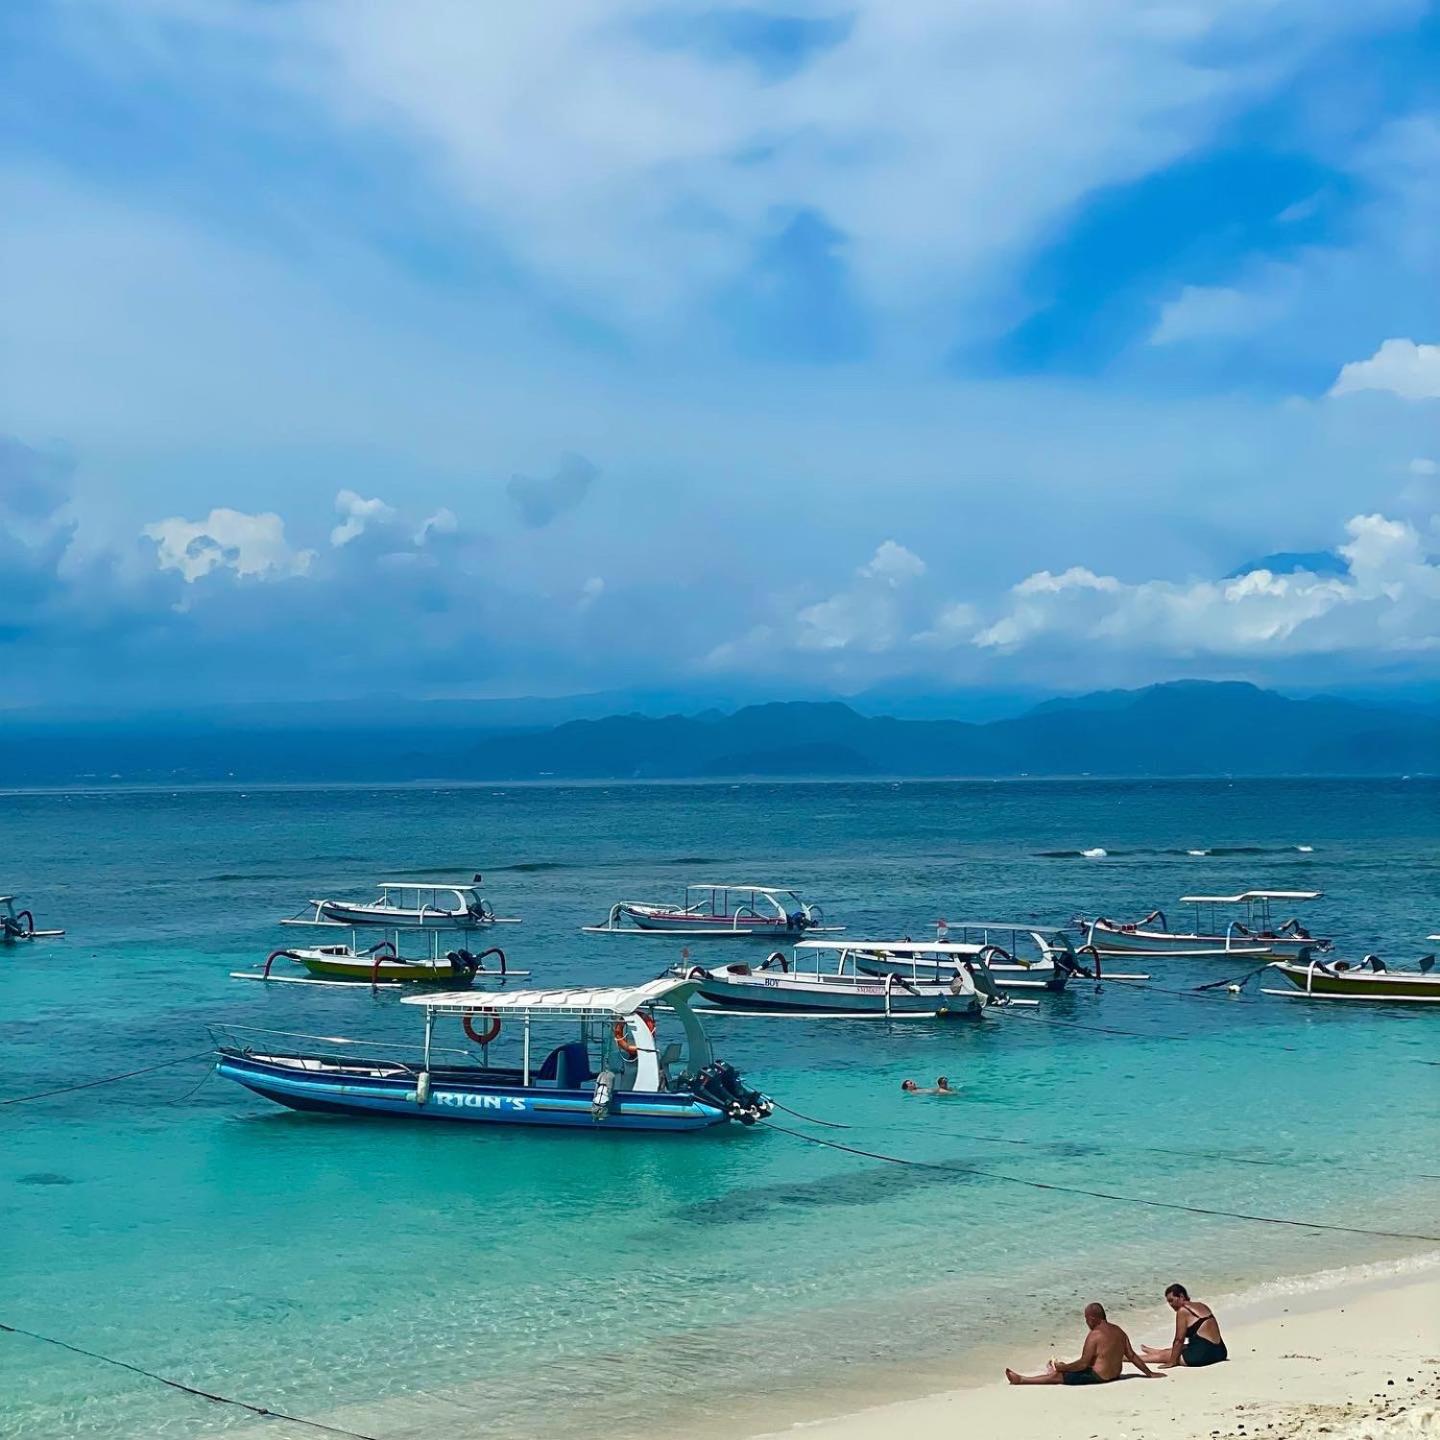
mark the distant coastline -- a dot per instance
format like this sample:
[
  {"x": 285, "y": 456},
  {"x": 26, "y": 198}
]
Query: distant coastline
[
  {"x": 1191, "y": 729},
  {"x": 430, "y": 784}
]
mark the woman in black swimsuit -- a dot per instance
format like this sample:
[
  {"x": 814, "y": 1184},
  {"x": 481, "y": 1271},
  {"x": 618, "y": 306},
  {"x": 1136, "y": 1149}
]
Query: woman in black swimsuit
[{"x": 1197, "y": 1341}]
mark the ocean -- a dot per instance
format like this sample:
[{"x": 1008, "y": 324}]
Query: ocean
[{"x": 415, "y": 1280}]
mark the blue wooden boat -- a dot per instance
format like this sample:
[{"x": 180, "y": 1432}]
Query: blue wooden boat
[{"x": 611, "y": 1075}]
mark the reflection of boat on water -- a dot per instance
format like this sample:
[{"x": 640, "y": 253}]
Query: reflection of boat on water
[
  {"x": 1018, "y": 954},
  {"x": 719, "y": 910},
  {"x": 20, "y": 924},
  {"x": 810, "y": 984},
  {"x": 1371, "y": 979},
  {"x": 411, "y": 904},
  {"x": 1251, "y": 933},
  {"x": 610, "y": 1075}
]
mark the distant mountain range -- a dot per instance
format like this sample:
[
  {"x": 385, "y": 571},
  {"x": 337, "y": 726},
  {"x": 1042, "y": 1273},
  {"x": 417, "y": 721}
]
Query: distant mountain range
[
  {"x": 1187, "y": 728},
  {"x": 1184, "y": 728}
]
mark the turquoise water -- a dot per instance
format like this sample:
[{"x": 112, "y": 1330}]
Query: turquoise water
[{"x": 438, "y": 1281}]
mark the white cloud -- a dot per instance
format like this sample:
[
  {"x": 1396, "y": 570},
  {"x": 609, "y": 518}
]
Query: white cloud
[
  {"x": 954, "y": 624},
  {"x": 1401, "y": 367},
  {"x": 250, "y": 545},
  {"x": 893, "y": 564},
  {"x": 1388, "y": 601},
  {"x": 1219, "y": 312},
  {"x": 1420, "y": 465},
  {"x": 869, "y": 615},
  {"x": 442, "y": 522},
  {"x": 590, "y": 592},
  {"x": 358, "y": 513},
  {"x": 636, "y": 173},
  {"x": 1201, "y": 313}
]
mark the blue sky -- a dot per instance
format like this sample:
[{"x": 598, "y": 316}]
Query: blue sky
[{"x": 354, "y": 348}]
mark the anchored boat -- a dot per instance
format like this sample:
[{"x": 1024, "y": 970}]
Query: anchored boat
[
  {"x": 411, "y": 904},
  {"x": 611, "y": 1074},
  {"x": 20, "y": 924},
  {"x": 719, "y": 910},
  {"x": 1372, "y": 979},
  {"x": 1019, "y": 955},
  {"x": 384, "y": 965},
  {"x": 1251, "y": 933},
  {"x": 824, "y": 980}
]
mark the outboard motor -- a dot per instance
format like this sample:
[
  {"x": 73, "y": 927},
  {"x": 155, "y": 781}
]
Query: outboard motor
[
  {"x": 1069, "y": 962},
  {"x": 12, "y": 929},
  {"x": 720, "y": 1085},
  {"x": 463, "y": 964}
]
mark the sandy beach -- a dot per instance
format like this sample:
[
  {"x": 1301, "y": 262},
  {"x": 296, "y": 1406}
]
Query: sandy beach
[{"x": 1356, "y": 1360}]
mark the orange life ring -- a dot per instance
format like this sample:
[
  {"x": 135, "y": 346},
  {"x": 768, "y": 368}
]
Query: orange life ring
[{"x": 485, "y": 1037}]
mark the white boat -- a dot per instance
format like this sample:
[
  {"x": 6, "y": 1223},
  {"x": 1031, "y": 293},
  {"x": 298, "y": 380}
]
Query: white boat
[
  {"x": 822, "y": 979},
  {"x": 20, "y": 924},
  {"x": 734, "y": 911},
  {"x": 1372, "y": 980},
  {"x": 1250, "y": 934},
  {"x": 1018, "y": 954},
  {"x": 412, "y": 904}
]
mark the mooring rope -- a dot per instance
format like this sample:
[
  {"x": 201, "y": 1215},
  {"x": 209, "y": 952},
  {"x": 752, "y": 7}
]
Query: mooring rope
[
  {"x": 1206, "y": 1210},
  {"x": 1226, "y": 1156},
  {"x": 105, "y": 1079},
  {"x": 812, "y": 1119},
  {"x": 211, "y": 1395}
]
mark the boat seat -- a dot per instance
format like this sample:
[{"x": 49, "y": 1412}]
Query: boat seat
[{"x": 567, "y": 1065}]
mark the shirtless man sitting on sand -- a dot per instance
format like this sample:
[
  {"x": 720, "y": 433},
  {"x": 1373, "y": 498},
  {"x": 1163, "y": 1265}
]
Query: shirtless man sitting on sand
[{"x": 1107, "y": 1348}]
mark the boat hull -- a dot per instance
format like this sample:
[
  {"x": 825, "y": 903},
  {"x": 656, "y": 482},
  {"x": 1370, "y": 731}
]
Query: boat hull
[
  {"x": 1154, "y": 942},
  {"x": 778, "y": 993},
  {"x": 1387, "y": 987},
  {"x": 654, "y": 919},
  {"x": 381, "y": 1091},
  {"x": 343, "y": 913},
  {"x": 1041, "y": 976},
  {"x": 418, "y": 972}
]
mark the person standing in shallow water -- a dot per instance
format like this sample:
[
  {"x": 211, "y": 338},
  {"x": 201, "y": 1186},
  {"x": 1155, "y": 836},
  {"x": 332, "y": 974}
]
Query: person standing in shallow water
[
  {"x": 1107, "y": 1348},
  {"x": 1197, "y": 1341}
]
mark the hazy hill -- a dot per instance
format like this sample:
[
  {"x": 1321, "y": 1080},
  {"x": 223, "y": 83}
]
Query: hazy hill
[{"x": 1188, "y": 728}]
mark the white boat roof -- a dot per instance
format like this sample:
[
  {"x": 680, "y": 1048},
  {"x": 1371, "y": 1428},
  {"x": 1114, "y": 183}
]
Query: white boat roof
[
  {"x": 1245, "y": 896},
  {"x": 615, "y": 1000},
  {"x": 1032, "y": 927},
  {"x": 427, "y": 884},
  {"x": 758, "y": 889},
  {"x": 892, "y": 947}
]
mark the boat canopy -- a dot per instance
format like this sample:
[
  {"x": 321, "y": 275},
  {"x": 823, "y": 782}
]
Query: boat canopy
[
  {"x": 1247, "y": 897},
  {"x": 748, "y": 889},
  {"x": 1027, "y": 927},
  {"x": 613, "y": 1002},
  {"x": 427, "y": 884},
  {"x": 891, "y": 947}
]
